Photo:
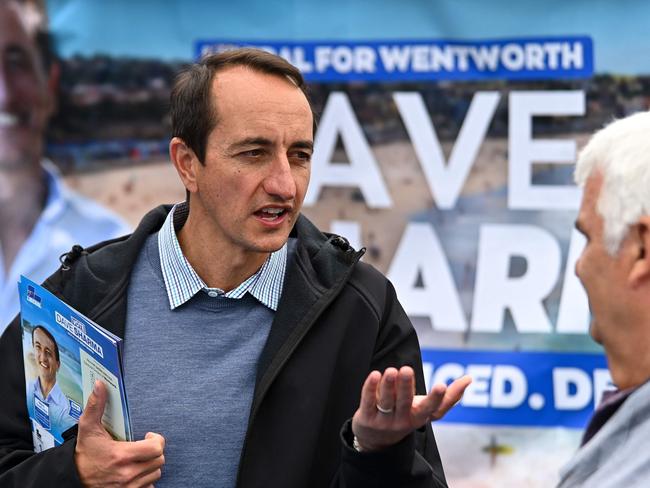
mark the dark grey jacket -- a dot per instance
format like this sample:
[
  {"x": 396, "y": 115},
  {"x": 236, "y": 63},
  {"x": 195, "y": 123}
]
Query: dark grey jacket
[{"x": 338, "y": 319}]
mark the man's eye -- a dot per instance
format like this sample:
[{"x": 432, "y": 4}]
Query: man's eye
[
  {"x": 252, "y": 153},
  {"x": 302, "y": 156},
  {"x": 18, "y": 60}
]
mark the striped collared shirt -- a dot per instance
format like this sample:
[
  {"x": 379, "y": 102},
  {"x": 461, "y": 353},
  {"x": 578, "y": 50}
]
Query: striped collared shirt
[{"x": 182, "y": 282}]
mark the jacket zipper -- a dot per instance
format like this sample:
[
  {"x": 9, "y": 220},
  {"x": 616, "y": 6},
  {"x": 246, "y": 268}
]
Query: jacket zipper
[{"x": 257, "y": 401}]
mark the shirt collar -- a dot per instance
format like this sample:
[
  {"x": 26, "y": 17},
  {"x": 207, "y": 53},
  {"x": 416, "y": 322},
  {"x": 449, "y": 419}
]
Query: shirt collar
[
  {"x": 55, "y": 395},
  {"x": 182, "y": 282},
  {"x": 611, "y": 401}
]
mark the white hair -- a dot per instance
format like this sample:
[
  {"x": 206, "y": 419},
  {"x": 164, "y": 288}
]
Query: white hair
[{"x": 621, "y": 151}]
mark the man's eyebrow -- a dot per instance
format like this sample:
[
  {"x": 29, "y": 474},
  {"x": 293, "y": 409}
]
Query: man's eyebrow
[
  {"x": 306, "y": 144},
  {"x": 250, "y": 141},
  {"x": 262, "y": 141},
  {"x": 16, "y": 49}
]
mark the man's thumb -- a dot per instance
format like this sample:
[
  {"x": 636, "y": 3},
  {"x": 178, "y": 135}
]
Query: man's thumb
[{"x": 94, "y": 410}]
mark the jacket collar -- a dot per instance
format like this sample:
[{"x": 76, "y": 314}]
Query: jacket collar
[
  {"x": 96, "y": 280},
  {"x": 316, "y": 275}
]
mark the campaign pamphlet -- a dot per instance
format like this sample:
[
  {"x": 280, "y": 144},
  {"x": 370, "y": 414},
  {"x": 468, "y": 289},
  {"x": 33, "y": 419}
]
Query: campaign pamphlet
[{"x": 64, "y": 352}]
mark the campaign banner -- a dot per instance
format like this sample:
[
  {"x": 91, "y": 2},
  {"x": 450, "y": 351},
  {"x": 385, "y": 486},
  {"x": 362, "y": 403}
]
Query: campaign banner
[
  {"x": 445, "y": 144},
  {"x": 521, "y": 388},
  {"x": 535, "y": 58}
]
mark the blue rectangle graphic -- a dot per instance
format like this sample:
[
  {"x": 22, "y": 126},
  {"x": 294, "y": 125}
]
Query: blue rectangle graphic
[
  {"x": 535, "y": 389},
  {"x": 535, "y": 58}
]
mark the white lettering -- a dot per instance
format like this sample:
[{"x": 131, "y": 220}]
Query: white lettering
[
  {"x": 566, "y": 379},
  {"x": 485, "y": 57},
  {"x": 420, "y": 58},
  {"x": 395, "y": 57},
  {"x": 534, "y": 57},
  {"x": 322, "y": 54},
  {"x": 512, "y": 57},
  {"x": 477, "y": 393},
  {"x": 342, "y": 59},
  {"x": 299, "y": 61},
  {"x": 572, "y": 55},
  {"x": 553, "y": 54},
  {"x": 362, "y": 171},
  {"x": 523, "y": 295},
  {"x": 524, "y": 150},
  {"x": 442, "y": 58},
  {"x": 420, "y": 254},
  {"x": 503, "y": 376},
  {"x": 446, "y": 180},
  {"x": 365, "y": 59},
  {"x": 462, "y": 54}
]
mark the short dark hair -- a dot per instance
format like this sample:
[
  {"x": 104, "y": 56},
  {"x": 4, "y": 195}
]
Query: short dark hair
[
  {"x": 47, "y": 333},
  {"x": 192, "y": 112}
]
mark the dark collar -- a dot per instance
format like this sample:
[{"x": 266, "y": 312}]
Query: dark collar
[{"x": 608, "y": 406}]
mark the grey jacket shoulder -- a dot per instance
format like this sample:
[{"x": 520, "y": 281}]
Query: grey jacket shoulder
[{"x": 618, "y": 454}]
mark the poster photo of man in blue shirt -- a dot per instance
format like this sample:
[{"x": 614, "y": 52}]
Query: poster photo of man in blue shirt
[{"x": 53, "y": 412}]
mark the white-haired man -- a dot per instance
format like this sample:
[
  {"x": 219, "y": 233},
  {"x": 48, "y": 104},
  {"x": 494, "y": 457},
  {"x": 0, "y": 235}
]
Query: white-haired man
[{"x": 614, "y": 268}]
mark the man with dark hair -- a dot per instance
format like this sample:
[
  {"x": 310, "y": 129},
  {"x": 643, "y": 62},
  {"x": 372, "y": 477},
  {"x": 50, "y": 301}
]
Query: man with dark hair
[
  {"x": 41, "y": 218},
  {"x": 269, "y": 331}
]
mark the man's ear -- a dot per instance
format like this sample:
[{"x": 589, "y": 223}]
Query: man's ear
[
  {"x": 640, "y": 272},
  {"x": 185, "y": 162}
]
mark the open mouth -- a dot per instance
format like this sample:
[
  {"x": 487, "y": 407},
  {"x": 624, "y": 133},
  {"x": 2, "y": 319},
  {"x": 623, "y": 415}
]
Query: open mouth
[
  {"x": 271, "y": 214},
  {"x": 43, "y": 365},
  {"x": 8, "y": 120},
  {"x": 12, "y": 120}
]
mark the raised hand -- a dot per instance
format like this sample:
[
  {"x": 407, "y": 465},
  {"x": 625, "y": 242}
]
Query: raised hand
[
  {"x": 102, "y": 461},
  {"x": 389, "y": 409}
]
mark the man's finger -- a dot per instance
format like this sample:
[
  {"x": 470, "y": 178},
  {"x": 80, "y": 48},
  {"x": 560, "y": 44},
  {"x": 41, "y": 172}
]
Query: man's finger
[
  {"x": 457, "y": 388},
  {"x": 92, "y": 414},
  {"x": 144, "y": 450},
  {"x": 452, "y": 396},
  {"x": 386, "y": 396},
  {"x": 405, "y": 391},
  {"x": 158, "y": 437},
  {"x": 425, "y": 406},
  {"x": 147, "y": 467},
  {"x": 367, "y": 405}
]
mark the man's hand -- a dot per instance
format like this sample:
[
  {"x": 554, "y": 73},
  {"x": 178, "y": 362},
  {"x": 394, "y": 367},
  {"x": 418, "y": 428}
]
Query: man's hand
[
  {"x": 101, "y": 461},
  {"x": 390, "y": 410}
]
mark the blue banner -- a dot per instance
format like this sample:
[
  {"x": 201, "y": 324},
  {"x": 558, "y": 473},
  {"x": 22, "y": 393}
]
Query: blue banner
[
  {"x": 535, "y": 58},
  {"x": 521, "y": 388}
]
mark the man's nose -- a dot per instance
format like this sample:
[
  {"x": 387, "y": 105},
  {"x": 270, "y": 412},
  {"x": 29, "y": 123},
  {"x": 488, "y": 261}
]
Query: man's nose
[{"x": 280, "y": 182}]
